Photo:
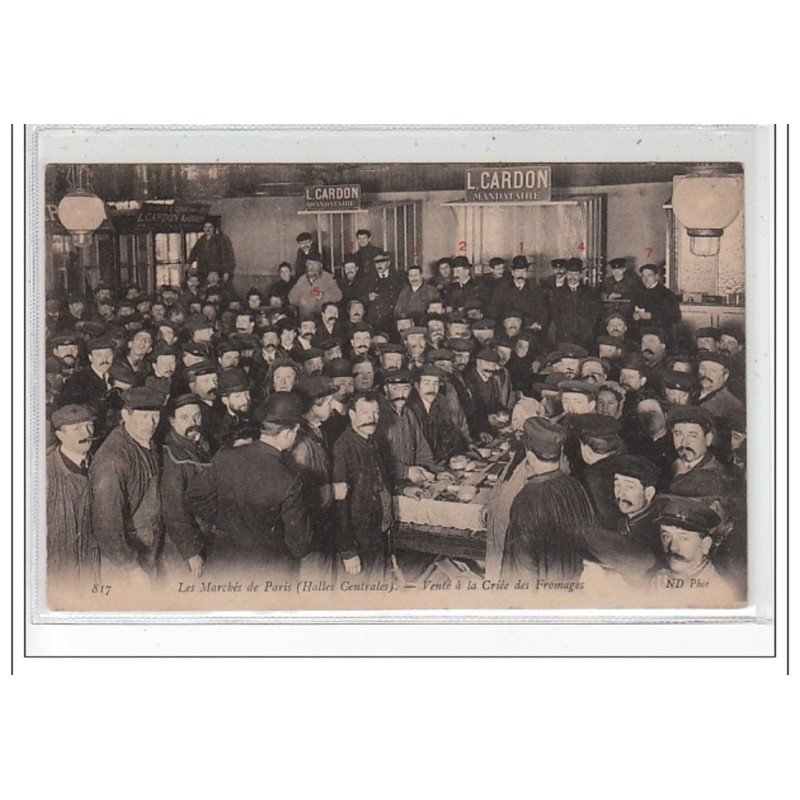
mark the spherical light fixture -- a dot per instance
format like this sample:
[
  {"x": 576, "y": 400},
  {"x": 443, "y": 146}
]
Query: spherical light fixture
[{"x": 705, "y": 203}]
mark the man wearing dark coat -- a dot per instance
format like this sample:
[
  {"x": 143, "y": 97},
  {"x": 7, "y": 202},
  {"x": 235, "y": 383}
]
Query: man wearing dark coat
[
  {"x": 213, "y": 251},
  {"x": 574, "y": 308},
  {"x": 465, "y": 288},
  {"x": 520, "y": 296},
  {"x": 366, "y": 252},
  {"x": 362, "y": 492},
  {"x": 542, "y": 542},
  {"x": 89, "y": 386},
  {"x": 185, "y": 454},
  {"x": 482, "y": 381},
  {"x": 653, "y": 304},
  {"x": 71, "y": 547},
  {"x": 126, "y": 492},
  {"x": 381, "y": 290},
  {"x": 255, "y": 500},
  {"x": 619, "y": 283}
]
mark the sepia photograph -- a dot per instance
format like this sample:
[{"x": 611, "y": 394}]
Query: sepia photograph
[{"x": 329, "y": 386}]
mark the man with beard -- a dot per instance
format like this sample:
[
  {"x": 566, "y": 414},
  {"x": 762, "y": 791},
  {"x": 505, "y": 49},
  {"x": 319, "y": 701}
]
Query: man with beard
[
  {"x": 312, "y": 457},
  {"x": 390, "y": 357},
  {"x": 542, "y": 541},
  {"x": 255, "y": 500},
  {"x": 430, "y": 406},
  {"x": 655, "y": 442},
  {"x": 692, "y": 434},
  {"x": 126, "y": 496},
  {"x": 340, "y": 373},
  {"x": 363, "y": 503},
  {"x": 415, "y": 342},
  {"x": 381, "y": 290},
  {"x": 599, "y": 442},
  {"x": 89, "y": 386},
  {"x": 263, "y": 362},
  {"x": 71, "y": 547},
  {"x": 313, "y": 288},
  {"x": 408, "y": 455},
  {"x": 234, "y": 426},
  {"x": 204, "y": 382},
  {"x": 574, "y": 308},
  {"x": 328, "y": 327},
  {"x": 185, "y": 455},
  {"x": 462, "y": 352},
  {"x": 413, "y": 299},
  {"x": 351, "y": 281},
  {"x": 520, "y": 297},
  {"x": 654, "y": 304},
  {"x": 65, "y": 349},
  {"x": 687, "y": 541}
]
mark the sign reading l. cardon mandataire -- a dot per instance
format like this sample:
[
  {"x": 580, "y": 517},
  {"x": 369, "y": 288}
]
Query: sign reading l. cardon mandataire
[
  {"x": 508, "y": 184},
  {"x": 344, "y": 197}
]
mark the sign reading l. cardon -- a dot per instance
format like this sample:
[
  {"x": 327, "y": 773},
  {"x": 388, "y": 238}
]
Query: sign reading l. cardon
[
  {"x": 508, "y": 184},
  {"x": 344, "y": 197},
  {"x": 164, "y": 216}
]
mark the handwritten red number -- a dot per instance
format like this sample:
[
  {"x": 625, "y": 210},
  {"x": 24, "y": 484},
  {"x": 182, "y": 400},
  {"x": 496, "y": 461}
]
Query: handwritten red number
[
  {"x": 582, "y": 247},
  {"x": 415, "y": 252},
  {"x": 649, "y": 251},
  {"x": 462, "y": 247},
  {"x": 522, "y": 247}
]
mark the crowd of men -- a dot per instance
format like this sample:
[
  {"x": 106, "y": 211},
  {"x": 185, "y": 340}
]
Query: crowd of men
[{"x": 196, "y": 431}]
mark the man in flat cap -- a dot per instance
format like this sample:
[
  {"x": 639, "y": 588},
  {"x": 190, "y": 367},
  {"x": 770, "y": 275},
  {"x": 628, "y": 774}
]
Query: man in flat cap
[
  {"x": 380, "y": 290},
  {"x": 542, "y": 543},
  {"x": 635, "y": 485},
  {"x": 362, "y": 492},
  {"x": 340, "y": 373},
  {"x": 486, "y": 389},
  {"x": 314, "y": 288},
  {"x": 688, "y": 541},
  {"x": 126, "y": 492},
  {"x": 203, "y": 379},
  {"x": 653, "y": 303},
  {"x": 185, "y": 455},
  {"x": 714, "y": 372},
  {"x": 574, "y": 307},
  {"x": 408, "y": 455},
  {"x": 619, "y": 283},
  {"x": 413, "y": 299},
  {"x": 693, "y": 434},
  {"x": 213, "y": 251},
  {"x": 64, "y": 353},
  {"x": 522, "y": 297},
  {"x": 71, "y": 547},
  {"x": 429, "y": 404},
  {"x": 255, "y": 500}
]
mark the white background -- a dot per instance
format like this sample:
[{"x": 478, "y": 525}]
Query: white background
[{"x": 357, "y": 727}]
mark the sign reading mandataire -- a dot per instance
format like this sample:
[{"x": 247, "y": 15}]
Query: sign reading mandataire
[
  {"x": 344, "y": 197},
  {"x": 508, "y": 184}
]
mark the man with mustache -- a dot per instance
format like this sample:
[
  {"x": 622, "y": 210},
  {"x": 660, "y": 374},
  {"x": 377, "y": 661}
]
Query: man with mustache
[
  {"x": 692, "y": 434},
  {"x": 340, "y": 373},
  {"x": 126, "y": 496},
  {"x": 185, "y": 454},
  {"x": 89, "y": 386},
  {"x": 687, "y": 528},
  {"x": 351, "y": 280},
  {"x": 520, "y": 297},
  {"x": 313, "y": 288},
  {"x": 415, "y": 342},
  {"x": 413, "y": 299},
  {"x": 464, "y": 288},
  {"x": 328, "y": 327},
  {"x": 71, "y": 547},
  {"x": 714, "y": 371},
  {"x": 486, "y": 389},
  {"x": 634, "y": 375},
  {"x": 63, "y": 359},
  {"x": 204, "y": 382},
  {"x": 574, "y": 307},
  {"x": 653, "y": 347},
  {"x": 139, "y": 347},
  {"x": 235, "y": 426},
  {"x": 381, "y": 290},
  {"x": 655, "y": 442},
  {"x": 363, "y": 503},
  {"x": 408, "y": 455}
]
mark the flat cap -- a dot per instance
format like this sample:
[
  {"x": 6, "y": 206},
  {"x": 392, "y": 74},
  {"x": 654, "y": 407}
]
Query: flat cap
[
  {"x": 635, "y": 361},
  {"x": 571, "y": 350},
  {"x": 706, "y": 333},
  {"x": 696, "y": 414},
  {"x": 143, "y": 398},
  {"x": 398, "y": 376},
  {"x": 543, "y": 437},
  {"x": 611, "y": 341},
  {"x": 683, "y": 381},
  {"x": 618, "y": 263},
  {"x": 314, "y": 387},
  {"x": 381, "y": 258},
  {"x": 201, "y": 368},
  {"x": 574, "y": 265},
  {"x": 70, "y": 337},
  {"x": 390, "y": 347},
  {"x": 638, "y": 467},
  {"x": 710, "y": 355},
  {"x": 496, "y": 261},
  {"x": 121, "y": 371},
  {"x": 482, "y": 325},
  {"x": 305, "y": 236},
  {"x": 361, "y": 327},
  {"x": 198, "y": 322},
  {"x": 597, "y": 426},
  {"x": 439, "y": 354},
  {"x": 312, "y": 352},
  {"x": 338, "y": 368},
  {"x": 228, "y": 346},
  {"x": 187, "y": 399},
  {"x": 429, "y": 371},
  {"x": 163, "y": 349},
  {"x": 329, "y": 344},
  {"x": 415, "y": 330},
  {"x": 558, "y": 263},
  {"x": 70, "y": 415},
  {"x": 615, "y": 315},
  {"x": 488, "y": 354},
  {"x": 688, "y": 514},
  {"x": 199, "y": 349},
  {"x": 578, "y": 387},
  {"x": 100, "y": 343},
  {"x": 283, "y": 408},
  {"x": 458, "y": 345},
  {"x": 233, "y": 380},
  {"x": 473, "y": 305}
]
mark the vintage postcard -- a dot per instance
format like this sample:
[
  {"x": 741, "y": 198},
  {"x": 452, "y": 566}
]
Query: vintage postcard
[{"x": 341, "y": 371}]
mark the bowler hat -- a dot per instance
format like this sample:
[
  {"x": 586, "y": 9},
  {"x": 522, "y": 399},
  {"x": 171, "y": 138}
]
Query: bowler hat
[{"x": 282, "y": 408}]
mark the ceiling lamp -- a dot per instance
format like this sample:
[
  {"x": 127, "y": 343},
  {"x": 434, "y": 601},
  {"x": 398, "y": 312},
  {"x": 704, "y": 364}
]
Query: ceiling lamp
[
  {"x": 81, "y": 211},
  {"x": 705, "y": 203}
]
